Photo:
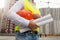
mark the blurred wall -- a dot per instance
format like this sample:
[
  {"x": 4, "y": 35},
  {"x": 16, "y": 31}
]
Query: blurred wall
[{"x": 53, "y": 27}]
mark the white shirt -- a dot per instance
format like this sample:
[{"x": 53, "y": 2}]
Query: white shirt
[{"x": 20, "y": 21}]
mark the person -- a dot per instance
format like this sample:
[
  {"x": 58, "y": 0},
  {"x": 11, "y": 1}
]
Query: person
[{"x": 23, "y": 23}]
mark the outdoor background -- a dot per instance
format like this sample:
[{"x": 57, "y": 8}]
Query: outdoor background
[{"x": 45, "y": 6}]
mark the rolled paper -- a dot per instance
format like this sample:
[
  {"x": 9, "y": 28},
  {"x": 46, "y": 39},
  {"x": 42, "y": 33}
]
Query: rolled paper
[
  {"x": 44, "y": 22},
  {"x": 43, "y": 18}
]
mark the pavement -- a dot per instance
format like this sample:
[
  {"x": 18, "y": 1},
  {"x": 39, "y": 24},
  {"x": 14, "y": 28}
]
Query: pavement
[
  {"x": 7, "y": 37},
  {"x": 42, "y": 38}
]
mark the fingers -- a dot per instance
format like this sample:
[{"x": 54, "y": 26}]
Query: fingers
[{"x": 32, "y": 25}]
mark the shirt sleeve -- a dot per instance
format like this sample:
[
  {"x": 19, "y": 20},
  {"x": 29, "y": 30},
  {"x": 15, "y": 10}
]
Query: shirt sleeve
[{"x": 20, "y": 21}]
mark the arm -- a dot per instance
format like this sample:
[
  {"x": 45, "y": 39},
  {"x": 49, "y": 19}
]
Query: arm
[
  {"x": 16, "y": 18},
  {"x": 20, "y": 21}
]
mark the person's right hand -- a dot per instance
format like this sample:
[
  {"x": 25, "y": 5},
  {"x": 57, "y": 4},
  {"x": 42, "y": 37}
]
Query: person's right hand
[{"x": 32, "y": 25}]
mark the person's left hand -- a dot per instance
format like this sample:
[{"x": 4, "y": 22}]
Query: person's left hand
[{"x": 35, "y": 16}]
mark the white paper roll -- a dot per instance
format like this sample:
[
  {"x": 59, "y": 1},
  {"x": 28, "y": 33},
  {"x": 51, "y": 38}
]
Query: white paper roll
[
  {"x": 45, "y": 22},
  {"x": 43, "y": 18}
]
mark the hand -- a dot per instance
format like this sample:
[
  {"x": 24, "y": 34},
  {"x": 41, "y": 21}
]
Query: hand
[
  {"x": 35, "y": 16},
  {"x": 32, "y": 25}
]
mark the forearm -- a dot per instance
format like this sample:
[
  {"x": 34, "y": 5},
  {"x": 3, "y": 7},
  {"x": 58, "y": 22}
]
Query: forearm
[{"x": 20, "y": 21}]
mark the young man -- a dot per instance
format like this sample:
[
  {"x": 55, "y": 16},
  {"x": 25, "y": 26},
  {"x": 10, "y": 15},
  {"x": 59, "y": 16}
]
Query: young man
[{"x": 23, "y": 23}]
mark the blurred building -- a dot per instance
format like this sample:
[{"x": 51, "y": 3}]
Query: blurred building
[{"x": 6, "y": 24}]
